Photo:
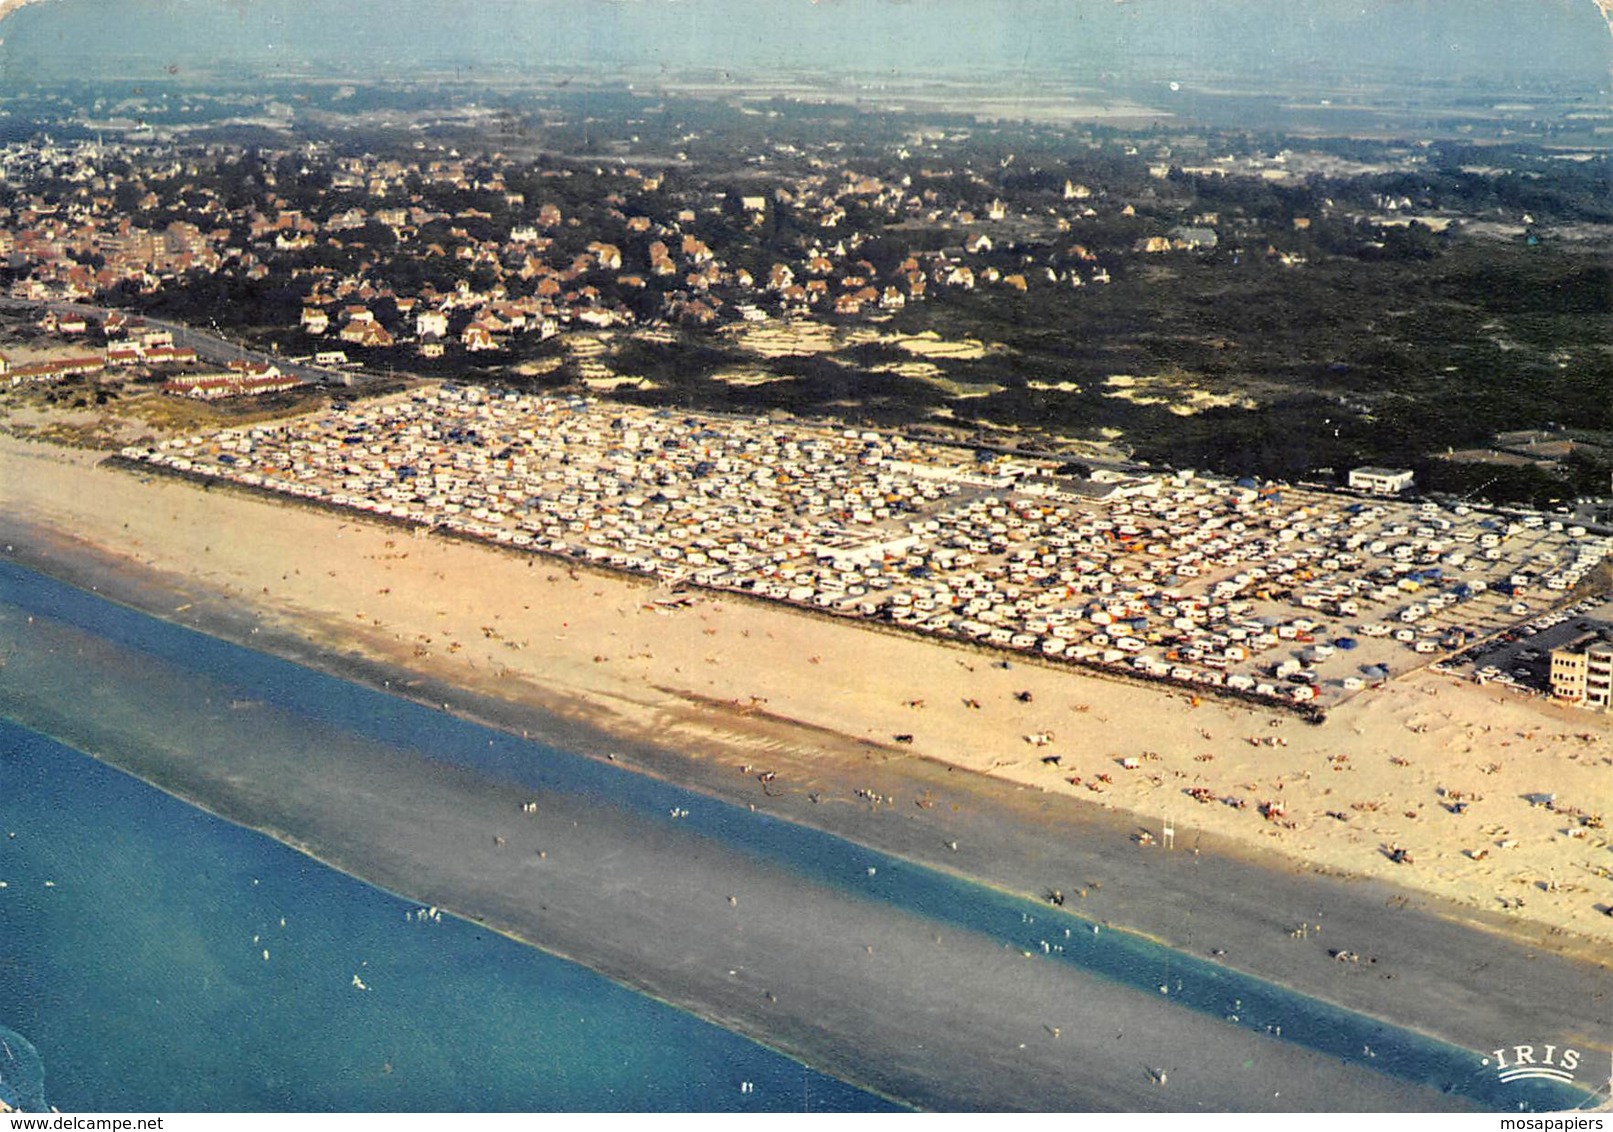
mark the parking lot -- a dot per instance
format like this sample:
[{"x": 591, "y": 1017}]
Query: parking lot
[{"x": 1521, "y": 657}]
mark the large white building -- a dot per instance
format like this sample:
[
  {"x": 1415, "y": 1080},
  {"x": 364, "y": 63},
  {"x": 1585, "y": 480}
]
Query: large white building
[{"x": 1383, "y": 481}]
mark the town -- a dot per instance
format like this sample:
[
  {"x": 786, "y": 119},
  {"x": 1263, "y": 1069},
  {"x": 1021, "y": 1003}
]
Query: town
[{"x": 1187, "y": 297}]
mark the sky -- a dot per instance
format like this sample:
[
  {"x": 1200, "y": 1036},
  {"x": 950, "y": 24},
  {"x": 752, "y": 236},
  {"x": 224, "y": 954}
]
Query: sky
[{"x": 1023, "y": 41}]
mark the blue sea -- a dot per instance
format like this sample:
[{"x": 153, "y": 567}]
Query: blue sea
[{"x": 159, "y": 958}]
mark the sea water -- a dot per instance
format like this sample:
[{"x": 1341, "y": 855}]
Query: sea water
[
  {"x": 162, "y": 959},
  {"x": 221, "y": 670}
]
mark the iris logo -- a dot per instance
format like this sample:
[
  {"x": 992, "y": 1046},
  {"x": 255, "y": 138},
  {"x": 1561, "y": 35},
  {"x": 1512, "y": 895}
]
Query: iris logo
[{"x": 1541, "y": 1063}]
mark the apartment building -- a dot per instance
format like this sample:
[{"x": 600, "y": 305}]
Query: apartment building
[{"x": 1582, "y": 672}]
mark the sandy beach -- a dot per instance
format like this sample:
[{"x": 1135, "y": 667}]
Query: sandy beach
[{"x": 1498, "y": 899}]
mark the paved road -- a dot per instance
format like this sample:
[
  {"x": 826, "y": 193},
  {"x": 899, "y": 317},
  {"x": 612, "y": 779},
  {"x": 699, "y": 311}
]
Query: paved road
[{"x": 212, "y": 347}]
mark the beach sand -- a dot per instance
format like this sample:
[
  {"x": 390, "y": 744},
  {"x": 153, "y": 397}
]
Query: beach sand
[{"x": 719, "y": 691}]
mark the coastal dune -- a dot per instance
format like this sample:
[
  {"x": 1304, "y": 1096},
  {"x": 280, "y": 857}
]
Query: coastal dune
[{"x": 717, "y": 692}]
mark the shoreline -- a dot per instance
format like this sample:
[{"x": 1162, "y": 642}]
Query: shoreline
[
  {"x": 736, "y": 730},
  {"x": 613, "y": 892},
  {"x": 1018, "y": 836}
]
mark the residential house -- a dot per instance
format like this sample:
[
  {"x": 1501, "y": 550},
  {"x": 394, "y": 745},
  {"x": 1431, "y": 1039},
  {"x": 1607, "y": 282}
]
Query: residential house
[
  {"x": 477, "y": 337},
  {"x": 41, "y": 372},
  {"x": 608, "y": 256},
  {"x": 366, "y": 332},
  {"x": 167, "y": 355}
]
